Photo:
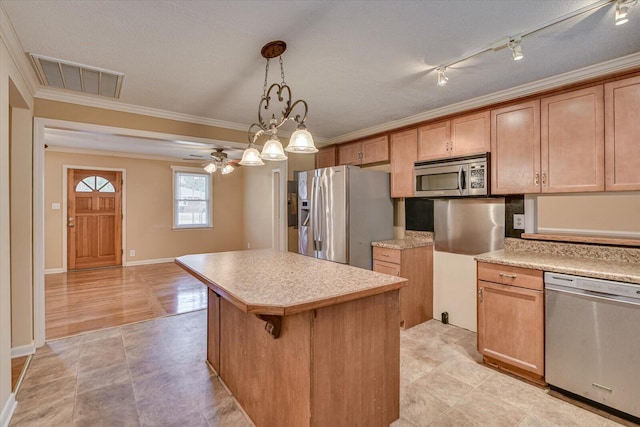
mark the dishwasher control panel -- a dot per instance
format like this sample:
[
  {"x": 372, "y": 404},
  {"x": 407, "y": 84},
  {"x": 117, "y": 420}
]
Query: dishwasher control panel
[{"x": 601, "y": 286}]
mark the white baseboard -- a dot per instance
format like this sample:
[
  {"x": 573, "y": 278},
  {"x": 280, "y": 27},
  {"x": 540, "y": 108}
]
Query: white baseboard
[
  {"x": 23, "y": 350},
  {"x": 124, "y": 264},
  {"x": 8, "y": 410},
  {"x": 148, "y": 261}
]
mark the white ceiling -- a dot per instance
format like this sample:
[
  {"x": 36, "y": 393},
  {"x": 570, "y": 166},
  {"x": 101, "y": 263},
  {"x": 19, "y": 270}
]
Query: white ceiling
[{"x": 359, "y": 64}]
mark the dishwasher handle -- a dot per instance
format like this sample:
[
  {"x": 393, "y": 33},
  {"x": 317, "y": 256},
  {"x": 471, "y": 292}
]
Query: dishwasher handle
[{"x": 592, "y": 295}]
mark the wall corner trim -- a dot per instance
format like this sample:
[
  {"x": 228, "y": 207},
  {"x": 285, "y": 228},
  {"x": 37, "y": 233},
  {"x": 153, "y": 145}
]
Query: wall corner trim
[
  {"x": 23, "y": 350},
  {"x": 11, "y": 40},
  {"x": 8, "y": 410}
]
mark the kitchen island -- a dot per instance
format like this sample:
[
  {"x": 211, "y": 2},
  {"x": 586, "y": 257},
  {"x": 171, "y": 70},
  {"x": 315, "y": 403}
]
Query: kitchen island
[{"x": 301, "y": 341}]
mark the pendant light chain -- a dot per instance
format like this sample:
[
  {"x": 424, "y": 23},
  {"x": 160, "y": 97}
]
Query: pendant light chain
[
  {"x": 266, "y": 74},
  {"x": 282, "y": 70}
]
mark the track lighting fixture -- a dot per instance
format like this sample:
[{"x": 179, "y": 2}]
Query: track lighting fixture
[
  {"x": 622, "y": 10},
  {"x": 516, "y": 49},
  {"x": 442, "y": 77}
]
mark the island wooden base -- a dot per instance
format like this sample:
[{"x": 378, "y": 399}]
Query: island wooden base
[{"x": 333, "y": 366}]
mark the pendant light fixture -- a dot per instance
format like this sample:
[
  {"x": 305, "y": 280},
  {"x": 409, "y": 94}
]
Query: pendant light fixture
[
  {"x": 301, "y": 140},
  {"x": 622, "y": 10}
]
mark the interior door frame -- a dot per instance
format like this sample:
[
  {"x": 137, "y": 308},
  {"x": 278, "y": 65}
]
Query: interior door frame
[
  {"x": 279, "y": 205},
  {"x": 65, "y": 195}
]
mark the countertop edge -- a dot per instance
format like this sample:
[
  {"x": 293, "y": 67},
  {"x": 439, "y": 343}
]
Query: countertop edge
[
  {"x": 257, "y": 309},
  {"x": 496, "y": 258},
  {"x": 390, "y": 244}
]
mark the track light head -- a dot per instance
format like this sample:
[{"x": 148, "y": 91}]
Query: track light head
[
  {"x": 622, "y": 10},
  {"x": 516, "y": 49},
  {"x": 442, "y": 77}
]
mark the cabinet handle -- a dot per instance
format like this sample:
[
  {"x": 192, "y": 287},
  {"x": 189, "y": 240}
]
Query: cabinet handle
[
  {"x": 480, "y": 294},
  {"x": 537, "y": 178},
  {"x": 510, "y": 276},
  {"x": 384, "y": 254},
  {"x": 544, "y": 179}
]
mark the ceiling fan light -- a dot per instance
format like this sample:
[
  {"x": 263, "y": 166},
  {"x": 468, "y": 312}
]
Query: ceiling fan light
[
  {"x": 442, "y": 77},
  {"x": 251, "y": 157},
  {"x": 301, "y": 141},
  {"x": 272, "y": 150},
  {"x": 227, "y": 169},
  {"x": 210, "y": 168}
]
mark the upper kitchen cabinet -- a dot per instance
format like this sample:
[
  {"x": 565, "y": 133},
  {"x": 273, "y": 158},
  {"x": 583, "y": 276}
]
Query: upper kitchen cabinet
[
  {"x": 515, "y": 149},
  {"x": 622, "y": 135},
  {"x": 372, "y": 150},
  {"x": 572, "y": 141},
  {"x": 404, "y": 149},
  {"x": 460, "y": 136},
  {"x": 326, "y": 157}
]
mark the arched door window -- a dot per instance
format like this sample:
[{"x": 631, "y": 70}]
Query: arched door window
[{"x": 95, "y": 183}]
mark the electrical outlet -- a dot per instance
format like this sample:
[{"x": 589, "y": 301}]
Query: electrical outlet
[
  {"x": 55, "y": 206},
  {"x": 132, "y": 252},
  {"x": 248, "y": 245},
  {"x": 518, "y": 221}
]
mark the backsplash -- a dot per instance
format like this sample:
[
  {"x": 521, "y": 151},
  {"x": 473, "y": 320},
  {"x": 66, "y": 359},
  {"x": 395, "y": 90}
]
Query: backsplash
[
  {"x": 609, "y": 253},
  {"x": 418, "y": 214}
]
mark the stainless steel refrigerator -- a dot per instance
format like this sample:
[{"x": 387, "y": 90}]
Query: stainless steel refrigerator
[{"x": 341, "y": 210}]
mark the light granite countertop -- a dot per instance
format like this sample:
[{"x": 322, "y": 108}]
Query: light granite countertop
[
  {"x": 266, "y": 281},
  {"x": 617, "y": 270},
  {"x": 412, "y": 239}
]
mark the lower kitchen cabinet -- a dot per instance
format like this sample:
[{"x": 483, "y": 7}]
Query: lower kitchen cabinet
[
  {"x": 511, "y": 319},
  {"x": 416, "y": 265}
]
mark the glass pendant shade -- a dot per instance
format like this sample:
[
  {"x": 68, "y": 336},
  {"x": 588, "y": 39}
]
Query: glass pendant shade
[
  {"x": 210, "y": 168},
  {"x": 272, "y": 150},
  {"x": 301, "y": 141},
  {"x": 622, "y": 15},
  {"x": 251, "y": 157},
  {"x": 227, "y": 169}
]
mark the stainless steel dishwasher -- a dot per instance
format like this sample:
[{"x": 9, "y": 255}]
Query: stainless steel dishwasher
[{"x": 592, "y": 339}]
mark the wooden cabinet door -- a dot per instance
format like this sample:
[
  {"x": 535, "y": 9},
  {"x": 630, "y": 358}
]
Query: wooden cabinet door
[
  {"x": 403, "y": 147},
  {"x": 375, "y": 150},
  {"x": 326, "y": 157},
  {"x": 515, "y": 149},
  {"x": 622, "y": 135},
  {"x": 434, "y": 141},
  {"x": 471, "y": 134},
  {"x": 572, "y": 141},
  {"x": 350, "y": 154},
  {"x": 511, "y": 325}
]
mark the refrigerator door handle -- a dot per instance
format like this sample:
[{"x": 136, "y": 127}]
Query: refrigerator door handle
[
  {"x": 320, "y": 228},
  {"x": 312, "y": 213}
]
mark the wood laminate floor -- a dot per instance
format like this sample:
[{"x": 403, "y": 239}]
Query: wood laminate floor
[
  {"x": 17, "y": 365},
  {"x": 88, "y": 300}
]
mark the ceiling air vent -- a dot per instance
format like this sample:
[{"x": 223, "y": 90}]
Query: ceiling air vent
[{"x": 80, "y": 78}]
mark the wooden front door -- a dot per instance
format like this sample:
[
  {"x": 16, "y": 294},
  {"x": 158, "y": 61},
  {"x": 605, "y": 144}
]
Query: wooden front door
[{"x": 94, "y": 219}]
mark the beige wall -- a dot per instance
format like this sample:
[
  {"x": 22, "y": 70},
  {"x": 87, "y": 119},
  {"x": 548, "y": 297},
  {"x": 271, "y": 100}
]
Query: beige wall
[
  {"x": 601, "y": 213},
  {"x": 148, "y": 189},
  {"x": 21, "y": 228}
]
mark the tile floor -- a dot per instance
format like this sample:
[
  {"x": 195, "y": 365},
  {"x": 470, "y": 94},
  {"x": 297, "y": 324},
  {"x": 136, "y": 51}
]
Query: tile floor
[{"x": 153, "y": 374}]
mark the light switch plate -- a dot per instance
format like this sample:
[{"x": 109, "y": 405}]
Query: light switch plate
[
  {"x": 518, "y": 221},
  {"x": 55, "y": 206}
]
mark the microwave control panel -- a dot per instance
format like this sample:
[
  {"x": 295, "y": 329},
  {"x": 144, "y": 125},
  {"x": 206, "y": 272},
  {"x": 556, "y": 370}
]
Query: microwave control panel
[{"x": 477, "y": 176}]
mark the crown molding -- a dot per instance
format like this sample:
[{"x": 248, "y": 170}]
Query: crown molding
[
  {"x": 11, "y": 40},
  {"x": 586, "y": 73},
  {"x": 99, "y": 102}
]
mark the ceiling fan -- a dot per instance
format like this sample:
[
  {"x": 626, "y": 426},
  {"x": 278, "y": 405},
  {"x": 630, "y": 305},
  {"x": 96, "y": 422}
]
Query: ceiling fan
[{"x": 217, "y": 161}]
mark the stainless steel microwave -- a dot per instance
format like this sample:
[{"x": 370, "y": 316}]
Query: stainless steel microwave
[{"x": 453, "y": 177}]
